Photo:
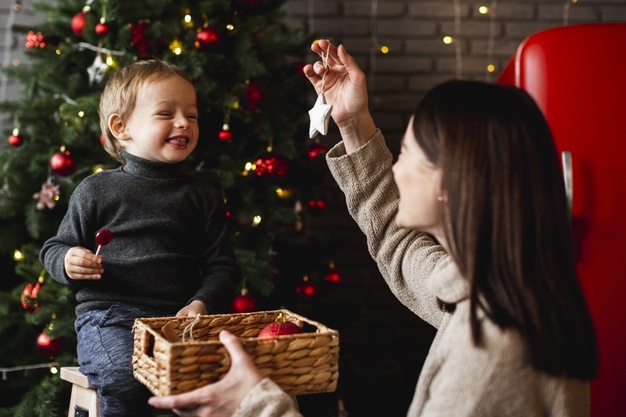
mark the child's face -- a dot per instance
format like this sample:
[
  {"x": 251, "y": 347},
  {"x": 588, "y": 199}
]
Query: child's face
[{"x": 163, "y": 126}]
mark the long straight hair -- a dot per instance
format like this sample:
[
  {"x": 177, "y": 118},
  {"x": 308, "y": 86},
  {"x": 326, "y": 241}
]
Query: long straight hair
[{"x": 506, "y": 219}]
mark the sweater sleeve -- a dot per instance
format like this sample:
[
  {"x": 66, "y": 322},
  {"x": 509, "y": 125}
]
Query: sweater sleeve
[
  {"x": 73, "y": 231},
  {"x": 267, "y": 400},
  {"x": 405, "y": 258}
]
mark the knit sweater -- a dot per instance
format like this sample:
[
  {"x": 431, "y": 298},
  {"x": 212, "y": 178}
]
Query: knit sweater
[
  {"x": 458, "y": 378},
  {"x": 170, "y": 242}
]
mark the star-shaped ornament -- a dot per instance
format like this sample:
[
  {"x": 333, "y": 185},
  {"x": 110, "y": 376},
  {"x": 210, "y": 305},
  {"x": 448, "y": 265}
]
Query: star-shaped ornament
[
  {"x": 320, "y": 115},
  {"x": 97, "y": 70}
]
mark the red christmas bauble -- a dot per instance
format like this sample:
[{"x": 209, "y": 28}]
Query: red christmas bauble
[
  {"x": 279, "y": 327},
  {"x": 78, "y": 23},
  {"x": 47, "y": 346},
  {"x": 139, "y": 39},
  {"x": 253, "y": 96},
  {"x": 102, "y": 29},
  {"x": 318, "y": 206},
  {"x": 225, "y": 136},
  {"x": 333, "y": 277},
  {"x": 29, "y": 297},
  {"x": 207, "y": 37},
  {"x": 271, "y": 164},
  {"x": 316, "y": 150},
  {"x": 16, "y": 140},
  {"x": 244, "y": 303},
  {"x": 62, "y": 163},
  {"x": 307, "y": 290}
]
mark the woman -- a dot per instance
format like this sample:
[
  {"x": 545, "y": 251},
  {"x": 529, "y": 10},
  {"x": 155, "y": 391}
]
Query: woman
[{"x": 473, "y": 237}]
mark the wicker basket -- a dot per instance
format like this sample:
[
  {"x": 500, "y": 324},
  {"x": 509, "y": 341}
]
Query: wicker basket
[{"x": 193, "y": 356}]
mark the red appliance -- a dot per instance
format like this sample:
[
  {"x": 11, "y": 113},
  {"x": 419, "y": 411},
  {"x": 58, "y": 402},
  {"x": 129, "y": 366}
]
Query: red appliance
[{"x": 577, "y": 75}]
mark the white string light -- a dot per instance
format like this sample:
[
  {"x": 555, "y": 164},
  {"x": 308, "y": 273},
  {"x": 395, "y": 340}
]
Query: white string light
[
  {"x": 6, "y": 57},
  {"x": 311, "y": 16},
  {"x": 566, "y": 4},
  {"x": 371, "y": 78},
  {"x": 458, "y": 50},
  {"x": 491, "y": 67},
  {"x": 51, "y": 365}
]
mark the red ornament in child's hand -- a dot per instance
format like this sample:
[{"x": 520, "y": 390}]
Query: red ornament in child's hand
[
  {"x": 280, "y": 327},
  {"x": 103, "y": 238}
]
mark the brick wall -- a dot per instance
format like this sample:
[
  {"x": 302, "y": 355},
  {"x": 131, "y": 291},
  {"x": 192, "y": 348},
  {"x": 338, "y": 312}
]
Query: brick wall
[{"x": 383, "y": 345}]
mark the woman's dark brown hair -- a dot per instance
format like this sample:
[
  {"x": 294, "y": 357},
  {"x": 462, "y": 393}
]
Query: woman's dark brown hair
[{"x": 506, "y": 219}]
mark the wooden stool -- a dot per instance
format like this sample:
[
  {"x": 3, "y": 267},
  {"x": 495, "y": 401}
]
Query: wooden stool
[{"x": 84, "y": 400}]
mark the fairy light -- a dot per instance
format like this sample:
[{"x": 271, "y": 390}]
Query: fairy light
[
  {"x": 448, "y": 40},
  {"x": 176, "y": 47},
  {"x": 230, "y": 27},
  {"x": 483, "y": 10},
  {"x": 15, "y": 62},
  {"x": 375, "y": 43},
  {"x": 18, "y": 255},
  {"x": 491, "y": 67},
  {"x": 81, "y": 113},
  {"x": 566, "y": 6},
  {"x": 384, "y": 49},
  {"x": 458, "y": 51},
  {"x": 256, "y": 220}
]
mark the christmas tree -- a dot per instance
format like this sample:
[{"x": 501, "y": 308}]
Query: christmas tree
[{"x": 253, "y": 101}]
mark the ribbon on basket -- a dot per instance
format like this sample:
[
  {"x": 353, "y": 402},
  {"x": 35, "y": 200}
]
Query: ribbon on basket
[{"x": 189, "y": 328}]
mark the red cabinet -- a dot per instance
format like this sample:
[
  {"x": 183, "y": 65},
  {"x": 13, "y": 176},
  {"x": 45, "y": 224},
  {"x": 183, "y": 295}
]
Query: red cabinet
[{"x": 577, "y": 75}]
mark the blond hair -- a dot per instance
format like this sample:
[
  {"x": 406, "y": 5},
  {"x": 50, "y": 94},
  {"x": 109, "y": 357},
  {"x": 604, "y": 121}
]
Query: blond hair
[{"x": 120, "y": 94}]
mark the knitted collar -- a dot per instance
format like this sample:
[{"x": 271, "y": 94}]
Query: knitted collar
[
  {"x": 448, "y": 284},
  {"x": 151, "y": 169}
]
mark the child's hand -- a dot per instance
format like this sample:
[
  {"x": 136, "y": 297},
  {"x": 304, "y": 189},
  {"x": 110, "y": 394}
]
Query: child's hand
[
  {"x": 193, "y": 309},
  {"x": 81, "y": 263}
]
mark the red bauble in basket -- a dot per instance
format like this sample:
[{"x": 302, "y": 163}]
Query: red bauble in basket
[{"x": 280, "y": 327}]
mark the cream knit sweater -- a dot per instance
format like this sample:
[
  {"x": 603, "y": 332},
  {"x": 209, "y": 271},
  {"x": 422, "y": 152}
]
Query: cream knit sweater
[{"x": 457, "y": 378}]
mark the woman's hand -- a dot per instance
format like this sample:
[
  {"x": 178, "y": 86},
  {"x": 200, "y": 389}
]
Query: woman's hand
[
  {"x": 223, "y": 397},
  {"x": 345, "y": 88}
]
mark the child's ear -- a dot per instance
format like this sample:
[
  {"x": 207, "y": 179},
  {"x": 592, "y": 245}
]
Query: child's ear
[{"x": 117, "y": 126}]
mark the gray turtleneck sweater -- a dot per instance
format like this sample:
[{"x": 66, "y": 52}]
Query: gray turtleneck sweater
[{"x": 170, "y": 244}]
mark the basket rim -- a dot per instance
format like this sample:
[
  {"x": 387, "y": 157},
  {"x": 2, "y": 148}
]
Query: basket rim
[{"x": 321, "y": 328}]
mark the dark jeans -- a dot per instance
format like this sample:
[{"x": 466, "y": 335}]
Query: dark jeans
[{"x": 105, "y": 348}]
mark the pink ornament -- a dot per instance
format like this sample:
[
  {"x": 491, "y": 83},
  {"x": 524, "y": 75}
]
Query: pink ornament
[{"x": 48, "y": 196}]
